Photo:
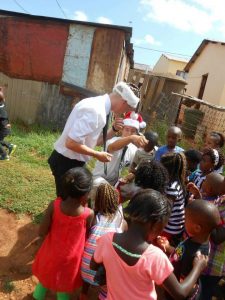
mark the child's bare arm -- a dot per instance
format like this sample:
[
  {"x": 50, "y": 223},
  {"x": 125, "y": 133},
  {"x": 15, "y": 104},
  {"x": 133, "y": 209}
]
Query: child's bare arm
[
  {"x": 46, "y": 221},
  {"x": 128, "y": 178},
  {"x": 137, "y": 140},
  {"x": 181, "y": 290},
  {"x": 192, "y": 188},
  {"x": 164, "y": 244}
]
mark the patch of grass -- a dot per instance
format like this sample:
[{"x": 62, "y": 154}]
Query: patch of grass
[
  {"x": 34, "y": 143},
  {"x": 27, "y": 184},
  {"x": 8, "y": 287},
  {"x": 161, "y": 128}
]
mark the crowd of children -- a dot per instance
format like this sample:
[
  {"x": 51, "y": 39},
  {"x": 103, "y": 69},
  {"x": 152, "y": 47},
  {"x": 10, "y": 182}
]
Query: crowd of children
[
  {"x": 166, "y": 242},
  {"x": 127, "y": 254}
]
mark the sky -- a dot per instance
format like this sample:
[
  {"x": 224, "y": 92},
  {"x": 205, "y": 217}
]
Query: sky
[{"x": 159, "y": 26}]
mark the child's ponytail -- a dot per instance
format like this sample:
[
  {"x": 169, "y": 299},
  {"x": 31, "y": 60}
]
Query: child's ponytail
[{"x": 76, "y": 182}]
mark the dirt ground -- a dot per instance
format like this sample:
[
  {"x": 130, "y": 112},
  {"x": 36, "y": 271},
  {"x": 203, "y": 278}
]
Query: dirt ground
[
  {"x": 17, "y": 250},
  {"x": 16, "y": 254}
]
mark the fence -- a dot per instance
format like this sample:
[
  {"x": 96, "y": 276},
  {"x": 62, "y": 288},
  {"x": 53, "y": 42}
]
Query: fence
[
  {"x": 162, "y": 99},
  {"x": 157, "y": 101},
  {"x": 203, "y": 117}
]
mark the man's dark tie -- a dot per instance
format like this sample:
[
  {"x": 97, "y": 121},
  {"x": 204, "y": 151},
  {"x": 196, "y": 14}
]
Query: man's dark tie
[{"x": 104, "y": 131}]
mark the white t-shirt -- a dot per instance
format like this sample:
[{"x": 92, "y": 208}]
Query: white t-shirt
[
  {"x": 84, "y": 125},
  {"x": 113, "y": 167}
]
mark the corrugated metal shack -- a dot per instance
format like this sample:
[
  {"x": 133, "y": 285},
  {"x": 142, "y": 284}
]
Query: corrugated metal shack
[{"x": 48, "y": 64}]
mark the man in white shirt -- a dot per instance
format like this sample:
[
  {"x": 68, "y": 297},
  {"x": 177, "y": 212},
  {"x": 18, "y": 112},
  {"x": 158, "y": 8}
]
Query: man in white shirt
[
  {"x": 83, "y": 129},
  {"x": 122, "y": 148}
]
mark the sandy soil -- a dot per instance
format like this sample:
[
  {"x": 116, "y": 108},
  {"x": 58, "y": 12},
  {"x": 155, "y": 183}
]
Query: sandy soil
[
  {"x": 16, "y": 254},
  {"x": 18, "y": 246}
]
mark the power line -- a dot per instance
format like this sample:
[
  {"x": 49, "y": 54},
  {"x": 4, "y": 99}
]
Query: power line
[
  {"x": 60, "y": 7},
  {"x": 150, "y": 49},
  {"x": 21, "y": 6}
]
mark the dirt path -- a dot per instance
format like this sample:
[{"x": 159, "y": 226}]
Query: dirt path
[
  {"x": 17, "y": 250},
  {"x": 16, "y": 255}
]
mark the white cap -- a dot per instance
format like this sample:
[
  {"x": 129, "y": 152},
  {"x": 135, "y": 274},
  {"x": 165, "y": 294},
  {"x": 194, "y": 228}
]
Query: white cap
[{"x": 126, "y": 93}]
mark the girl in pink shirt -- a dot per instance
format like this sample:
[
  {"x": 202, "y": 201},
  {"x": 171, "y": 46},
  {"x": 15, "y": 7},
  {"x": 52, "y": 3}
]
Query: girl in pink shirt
[{"x": 133, "y": 264}]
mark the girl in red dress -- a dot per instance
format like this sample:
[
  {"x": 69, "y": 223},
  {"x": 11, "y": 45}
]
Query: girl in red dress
[{"x": 64, "y": 226}]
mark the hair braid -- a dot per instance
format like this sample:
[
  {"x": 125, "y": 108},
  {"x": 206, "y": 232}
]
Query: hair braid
[
  {"x": 176, "y": 165},
  {"x": 107, "y": 200}
]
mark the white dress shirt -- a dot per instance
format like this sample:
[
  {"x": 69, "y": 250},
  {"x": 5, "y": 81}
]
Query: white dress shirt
[{"x": 84, "y": 125}]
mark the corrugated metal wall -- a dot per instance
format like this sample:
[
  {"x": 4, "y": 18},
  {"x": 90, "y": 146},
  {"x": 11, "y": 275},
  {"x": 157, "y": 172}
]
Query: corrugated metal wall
[
  {"x": 95, "y": 58},
  {"x": 105, "y": 59},
  {"x": 77, "y": 57},
  {"x": 35, "y": 102},
  {"x": 32, "y": 49},
  {"x": 123, "y": 70},
  {"x": 36, "y": 55}
]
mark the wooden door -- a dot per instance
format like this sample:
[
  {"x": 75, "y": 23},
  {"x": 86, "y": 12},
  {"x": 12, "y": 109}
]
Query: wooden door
[{"x": 202, "y": 87}]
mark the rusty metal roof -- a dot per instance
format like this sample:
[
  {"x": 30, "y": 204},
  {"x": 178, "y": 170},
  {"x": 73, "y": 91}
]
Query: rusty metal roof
[
  {"x": 126, "y": 29},
  {"x": 45, "y": 18},
  {"x": 202, "y": 46}
]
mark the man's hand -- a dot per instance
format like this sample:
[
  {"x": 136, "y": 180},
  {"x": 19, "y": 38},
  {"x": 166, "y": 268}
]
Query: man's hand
[
  {"x": 103, "y": 156},
  {"x": 139, "y": 141}
]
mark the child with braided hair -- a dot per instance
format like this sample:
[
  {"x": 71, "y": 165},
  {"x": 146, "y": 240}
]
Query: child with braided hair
[
  {"x": 108, "y": 218},
  {"x": 176, "y": 165}
]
